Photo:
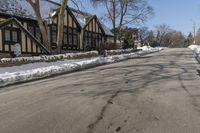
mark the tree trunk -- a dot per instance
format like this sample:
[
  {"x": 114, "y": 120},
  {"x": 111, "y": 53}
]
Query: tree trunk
[
  {"x": 43, "y": 27},
  {"x": 114, "y": 23},
  {"x": 44, "y": 32},
  {"x": 61, "y": 26}
]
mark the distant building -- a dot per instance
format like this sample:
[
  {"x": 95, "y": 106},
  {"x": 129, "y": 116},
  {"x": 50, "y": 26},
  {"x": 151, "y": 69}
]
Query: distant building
[{"x": 82, "y": 31}]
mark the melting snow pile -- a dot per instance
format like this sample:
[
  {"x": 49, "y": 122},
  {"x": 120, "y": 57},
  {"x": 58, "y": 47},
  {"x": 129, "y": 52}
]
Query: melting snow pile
[
  {"x": 196, "y": 49},
  {"x": 149, "y": 48},
  {"x": 30, "y": 73},
  {"x": 119, "y": 51},
  {"x": 193, "y": 47},
  {"x": 51, "y": 57}
]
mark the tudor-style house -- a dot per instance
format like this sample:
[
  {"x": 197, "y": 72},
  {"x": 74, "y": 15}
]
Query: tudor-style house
[{"x": 18, "y": 25}]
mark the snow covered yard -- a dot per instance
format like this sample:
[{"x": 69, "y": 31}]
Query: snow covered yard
[
  {"x": 196, "y": 49},
  {"x": 28, "y": 72}
]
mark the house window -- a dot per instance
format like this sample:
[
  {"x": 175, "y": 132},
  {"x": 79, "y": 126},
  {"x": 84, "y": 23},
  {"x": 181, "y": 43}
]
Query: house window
[
  {"x": 70, "y": 30},
  {"x": 11, "y": 36},
  {"x": 75, "y": 40},
  {"x": 14, "y": 36},
  {"x": 53, "y": 36},
  {"x": 7, "y": 35},
  {"x": 65, "y": 37},
  {"x": 38, "y": 34},
  {"x": 70, "y": 38},
  {"x": 35, "y": 31},
  {"x": 92, "y": 40},
  {"x": 74, "y": 31},
  {"x": 31, "y": 30}
]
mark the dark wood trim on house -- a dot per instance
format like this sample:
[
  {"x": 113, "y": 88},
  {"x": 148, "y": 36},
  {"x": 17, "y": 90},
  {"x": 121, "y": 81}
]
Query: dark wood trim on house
[
  {"x": 70, "y": 32},
  {"x": 92, "y": 38},
  {"x": 96, "y": 19},
  {"x": 71, "y": 15},
  {"x": 92, "y": 35},
  {"x": 10, "y": 39},
  {"x": 21, "y": 27}
]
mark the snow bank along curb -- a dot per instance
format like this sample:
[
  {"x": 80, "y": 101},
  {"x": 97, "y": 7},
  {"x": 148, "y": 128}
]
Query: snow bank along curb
[
  {"x": 119, "y": 51},
  {"x": 50, "y": 57},
  {"x": 196, "y": 49},
  {"x": 22, "y": 76},
  {"x": 149, "y": 48},
  {"x": 130, "y": 50}
]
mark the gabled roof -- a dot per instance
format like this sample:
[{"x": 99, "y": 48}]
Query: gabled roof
[
  {"x": 82, "y": 19},
  {"x": 3, "y": 25},
  {"x": 81, "y": 16},
  {"x": 55, "y": 13},
  {"x": 94, "y": 17},
  {"x": 21, "y": 8},
  {"x": 106, "y": 29}
]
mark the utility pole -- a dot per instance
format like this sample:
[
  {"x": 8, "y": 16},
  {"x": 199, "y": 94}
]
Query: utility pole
[
  {"x": 195, "y": 24},
  {"x": 194, "y": 28}
]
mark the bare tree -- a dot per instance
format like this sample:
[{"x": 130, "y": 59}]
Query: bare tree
[
  {"x": 162, "y": 30},
  {"x": 42, "y": 25},
  {"x": 125, "y": 12},
  {"x": 143, "y": 32},
  {"x": 198, "y": 37},
  {"x": 174, "y": 39}
]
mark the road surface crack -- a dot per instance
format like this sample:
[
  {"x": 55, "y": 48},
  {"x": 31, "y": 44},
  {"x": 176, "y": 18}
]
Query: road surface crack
[
  {"x": 181, "y": 82},
  {"x": 92, "y": 126}
]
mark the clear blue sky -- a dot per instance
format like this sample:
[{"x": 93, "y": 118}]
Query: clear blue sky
[{"x": 178, "y": 14}]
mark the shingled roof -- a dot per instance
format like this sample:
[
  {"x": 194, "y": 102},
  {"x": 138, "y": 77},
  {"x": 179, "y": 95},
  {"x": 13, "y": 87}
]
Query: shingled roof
[{"x": 21, "y": 8}]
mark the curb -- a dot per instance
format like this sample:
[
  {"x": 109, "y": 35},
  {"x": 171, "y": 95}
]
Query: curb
[{"x": 41, "y": 73}]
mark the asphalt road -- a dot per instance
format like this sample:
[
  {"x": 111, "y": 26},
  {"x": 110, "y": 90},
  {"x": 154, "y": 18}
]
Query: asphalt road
[{"x": 157, "y": 93}]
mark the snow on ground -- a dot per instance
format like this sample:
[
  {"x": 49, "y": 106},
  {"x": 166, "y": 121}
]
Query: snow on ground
[
  {"x": 51, "y": 57},
  {"x": 193, "y": 47},
  {"x": 147, "y": 48},
  {"x": 119, "y": 51},
  {"x": 196, "y": 49},
  {"x": 36, "y": 65},
  {"x": 16, "y": 74}
]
